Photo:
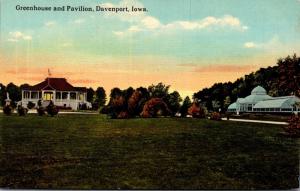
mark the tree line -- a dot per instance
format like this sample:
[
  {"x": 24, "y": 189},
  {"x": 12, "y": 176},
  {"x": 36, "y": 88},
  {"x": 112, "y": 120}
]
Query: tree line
[
  {"x": 283, "y": 79},
  {"x": 279, "y": 80}
]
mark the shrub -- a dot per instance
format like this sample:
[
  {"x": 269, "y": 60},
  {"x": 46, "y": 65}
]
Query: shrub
[
  {"x": 123, "y": 115},
  {"x": 196, "y": 111},
  {"x": 7, "y": 110},
  {"x": 215, "y": 116},
  {"x": 155, "y": 107},
  {"x": 40, "y": 111},
  {"x": 39, "y": 103},
  {"x": 21, "y": 110},
  {"x": 52, "y": 109},
  {"x": 30, "y": 105},
  {"x": 293, "y": 128},
  {"x": 83, "y": 106}
]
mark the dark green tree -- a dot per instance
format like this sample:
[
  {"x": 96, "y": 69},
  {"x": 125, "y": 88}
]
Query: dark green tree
[
  {"x": 173, "y": 102},
  {"x": 2, "y": 94},
  {"x": 14, "y": 93},
  {"x": 185, "y": 106},
  {"x": 100, "y": 96},
  {"x": 158, "y": 91},
  {"x": 90, "y": 95}
]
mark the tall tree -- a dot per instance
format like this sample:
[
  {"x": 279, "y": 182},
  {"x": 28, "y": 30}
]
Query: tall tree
[
  {"x": 158, "y": 91},
  {"x": 90, "y": 95},
  {"x": 14, "y": 93},
  {"x": 2, "y": 94},
  {"x": 173, "y": 101},
  {"x": 289, "y": 70},
  {"x": 100, "y": 96},
  {"x": 185, "y": 106}
]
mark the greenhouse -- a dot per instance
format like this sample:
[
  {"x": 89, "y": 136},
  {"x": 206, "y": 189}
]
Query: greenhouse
[{"x": 259, "y": 101}]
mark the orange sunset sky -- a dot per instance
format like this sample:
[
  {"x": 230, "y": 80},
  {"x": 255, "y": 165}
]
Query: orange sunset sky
[{"x": 186, "y": 44}]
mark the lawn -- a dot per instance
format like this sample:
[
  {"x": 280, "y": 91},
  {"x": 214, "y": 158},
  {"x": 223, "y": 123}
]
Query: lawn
[{"x": 94, "y": 152}]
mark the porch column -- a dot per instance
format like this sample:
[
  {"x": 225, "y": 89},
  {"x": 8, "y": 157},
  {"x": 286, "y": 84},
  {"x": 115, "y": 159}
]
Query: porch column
[
  {"x": 29, "y": 94},
  {"x": 68, "y": 98},
  {"x": 42, "y": 95},
  {"x": 54, "y": 97},
  {"x": 22, "y": 94}
]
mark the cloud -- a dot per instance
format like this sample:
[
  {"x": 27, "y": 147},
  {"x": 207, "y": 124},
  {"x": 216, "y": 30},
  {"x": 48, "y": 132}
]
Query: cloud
[
  {"x": 17, "y": 36},
  {"x": 140, "y": 21},
  {"x": 224, "y": 68},
  {"x": 79, "y": 21},
  {"x": 150, "y": 22},
  {"x": 249, "y": 45},
  {"x": 208, "y": 22},
  {"x": 50, "y": 23},
  {"x": 66, "y": 44},
  {"x": 118, "y": 33},
  {"x": 271, "y": 44}
]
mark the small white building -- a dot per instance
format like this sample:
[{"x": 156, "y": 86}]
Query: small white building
[
  {"x": 259, "y": 101},
  {"x": 57, "y": 90}
]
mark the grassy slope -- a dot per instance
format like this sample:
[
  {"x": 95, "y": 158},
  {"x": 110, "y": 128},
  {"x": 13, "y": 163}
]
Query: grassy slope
[{"x": 90, "y": 151}]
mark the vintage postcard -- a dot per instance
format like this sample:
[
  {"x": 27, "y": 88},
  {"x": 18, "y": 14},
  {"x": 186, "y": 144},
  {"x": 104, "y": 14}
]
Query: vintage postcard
[{"x": 150, "y": 94}]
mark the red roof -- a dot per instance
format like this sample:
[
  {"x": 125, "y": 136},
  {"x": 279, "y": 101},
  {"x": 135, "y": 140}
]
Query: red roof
[{"x": 59, "y": 84}]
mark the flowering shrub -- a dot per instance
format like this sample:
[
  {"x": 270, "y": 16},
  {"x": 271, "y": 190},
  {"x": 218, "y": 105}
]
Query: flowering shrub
[
  {"x": 196, "y": 111},
  {"x": 293, "y": 128},
  {"x": 155, "y": 107},
  {"x": 7, "y": 110},
  {"x": 215, "y": 116}
]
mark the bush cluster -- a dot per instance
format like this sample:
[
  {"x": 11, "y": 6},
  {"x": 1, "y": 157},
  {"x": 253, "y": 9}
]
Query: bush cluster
[
  {"x": 7, "y": 110},
  {"x": 22, "y": 111},
  {"x": 30, "y": 105},
  {"x": 215, "y": 116},
  {"x": 52, "y": 109},
  {"x": 197, "y": 111},
  {"x": 293, "y": 128}
]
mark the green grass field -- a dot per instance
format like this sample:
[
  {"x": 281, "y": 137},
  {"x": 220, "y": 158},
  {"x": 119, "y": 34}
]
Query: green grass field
[{"x": 93, "y": 152}]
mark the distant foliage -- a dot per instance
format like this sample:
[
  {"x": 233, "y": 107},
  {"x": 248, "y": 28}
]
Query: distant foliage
[
  {"x": 293, "y": 128},
  {"x": 215, "y": 116},
  {"x": 21, "y": 110},
  {"x": 155, "y": 107},
  {"x": 52, "y": 109},
  {"x": 30, "y": 105},
  {"x": 196, "y": 111},
  {"x": 7, "y": 110}
]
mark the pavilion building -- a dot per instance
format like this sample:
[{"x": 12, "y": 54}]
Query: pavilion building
[{"x": 57, "y": 90}]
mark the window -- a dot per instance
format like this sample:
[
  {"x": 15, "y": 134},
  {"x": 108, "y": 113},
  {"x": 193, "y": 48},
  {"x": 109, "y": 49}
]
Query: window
[
  {"x": 58, "y": 95},
  {"x": 72, "y": 95},
  {"x": 286, "y": 109},
  {"x": 81, "y": 97},
  {"x": 249, "y": 107},
  {"x": 34, "y": 95},
  {"x": 64, "y": 95}
]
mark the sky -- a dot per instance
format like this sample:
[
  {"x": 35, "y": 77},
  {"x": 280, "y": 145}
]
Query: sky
[{"x": 188, "y": 44}]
